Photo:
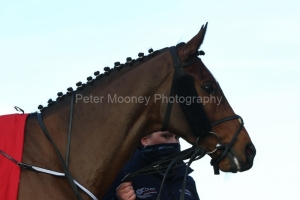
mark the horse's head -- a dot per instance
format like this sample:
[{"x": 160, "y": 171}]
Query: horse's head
[{"x": 220, "y": 130}]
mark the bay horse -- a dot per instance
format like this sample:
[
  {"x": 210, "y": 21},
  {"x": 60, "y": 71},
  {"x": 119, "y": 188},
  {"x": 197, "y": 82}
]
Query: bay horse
[{"x": 113, "y": 111}]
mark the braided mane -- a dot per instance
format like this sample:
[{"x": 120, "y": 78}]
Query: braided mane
[{"x": 107, "y": 71}]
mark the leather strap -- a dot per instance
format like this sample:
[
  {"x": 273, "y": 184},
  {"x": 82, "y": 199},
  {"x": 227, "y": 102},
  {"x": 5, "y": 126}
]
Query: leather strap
[
  {"x": 66, "y": 170},
  {"x": 70, "y": 129},
  {"x": 178, "y": 66},
  {"x": 193, "y": 158},
  {"x": 169, "y": 108},
  {"x": 46, "y": 171},
  {"x": 215, "y": 161}
]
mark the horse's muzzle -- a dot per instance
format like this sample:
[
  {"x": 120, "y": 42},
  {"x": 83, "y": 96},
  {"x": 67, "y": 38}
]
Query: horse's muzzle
[{"x": 250, "y": 153}]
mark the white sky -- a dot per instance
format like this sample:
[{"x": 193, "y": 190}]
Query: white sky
[{"x": 252, "y": 48}]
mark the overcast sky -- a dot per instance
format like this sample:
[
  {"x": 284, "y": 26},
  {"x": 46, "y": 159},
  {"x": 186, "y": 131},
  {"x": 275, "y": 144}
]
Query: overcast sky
[{"x": 252, "y": 48}]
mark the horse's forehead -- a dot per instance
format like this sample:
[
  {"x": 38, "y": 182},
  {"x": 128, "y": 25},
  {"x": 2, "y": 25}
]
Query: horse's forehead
[
  {"x": 215, "y": 79},
  {"x": 206, "y": 73}
]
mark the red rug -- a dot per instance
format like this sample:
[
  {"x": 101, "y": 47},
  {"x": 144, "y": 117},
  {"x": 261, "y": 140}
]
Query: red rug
[{"x": 11, "y": 142}]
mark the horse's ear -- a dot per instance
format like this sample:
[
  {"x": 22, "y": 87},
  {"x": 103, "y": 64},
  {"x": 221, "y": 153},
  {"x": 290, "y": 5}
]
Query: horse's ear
[{"x": 192, "y": 46}]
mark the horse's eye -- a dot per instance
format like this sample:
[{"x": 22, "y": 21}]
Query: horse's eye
[{"x": 208, "y": 88}]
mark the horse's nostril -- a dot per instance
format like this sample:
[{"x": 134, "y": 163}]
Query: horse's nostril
[{"x": 250, "y": 151}]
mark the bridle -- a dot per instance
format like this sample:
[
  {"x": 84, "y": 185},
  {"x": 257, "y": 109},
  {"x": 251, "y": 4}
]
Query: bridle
[
  {"x": 226, "y": 148},
  {"x": 194, "y": 153}
]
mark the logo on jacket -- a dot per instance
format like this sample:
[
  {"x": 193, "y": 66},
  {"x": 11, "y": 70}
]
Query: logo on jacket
[
  {"x": 187, "y": 192},
  {"x": 165, "y": 147},
  {"x": 144, "y": 193}
]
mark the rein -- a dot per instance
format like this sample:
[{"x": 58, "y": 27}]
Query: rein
[
  {"x": 194, "y": 153},
  {"x": 166, "y": 164},
  {"x": 67, "y": 172}
]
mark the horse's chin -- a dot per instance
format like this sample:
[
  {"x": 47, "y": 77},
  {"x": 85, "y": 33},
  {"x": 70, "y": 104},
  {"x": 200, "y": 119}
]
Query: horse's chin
[
  {"x": 235, "y": 164},
  {"x": 232, "y": 164}
]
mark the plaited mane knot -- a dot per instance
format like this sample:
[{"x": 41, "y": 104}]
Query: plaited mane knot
[
  {"x": 69, "y": 90},
  {"x": 128, "y": 60},
  {"x": 141, "y": 55},
  {"x": 89, "y": 79},
  {"x": 59, "y": 96},
  {"x": 79, "y": 85},
  {"x": 117, "y": 66},
  {"x": 40, "y": 107},
  {"x": 201, "y": 53},
  {"x": 97, "y": 73},
  {"x": 50, "y": 101},
  {"x": 107, "y": 70}
]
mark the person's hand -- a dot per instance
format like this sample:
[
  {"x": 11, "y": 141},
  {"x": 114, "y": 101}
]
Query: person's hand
[{"x": 125, "y": 191}]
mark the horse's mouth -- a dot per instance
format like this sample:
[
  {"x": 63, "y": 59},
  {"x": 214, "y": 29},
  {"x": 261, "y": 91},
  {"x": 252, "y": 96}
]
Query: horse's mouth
[
  {"x": 236, "y": 161},
  {"x": 235, "y": 164}
]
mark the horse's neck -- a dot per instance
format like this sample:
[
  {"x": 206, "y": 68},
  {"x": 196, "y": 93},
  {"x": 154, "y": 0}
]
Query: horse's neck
[{"x": 105, "y": 131}]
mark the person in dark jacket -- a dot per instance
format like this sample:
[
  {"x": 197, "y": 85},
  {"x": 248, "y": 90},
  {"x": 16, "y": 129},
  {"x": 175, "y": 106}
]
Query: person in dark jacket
[{"x": 156, "y": 146}]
